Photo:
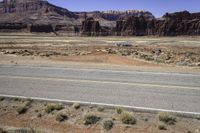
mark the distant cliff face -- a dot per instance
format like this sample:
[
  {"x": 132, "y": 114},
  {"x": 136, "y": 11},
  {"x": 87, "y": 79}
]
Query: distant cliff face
[
  {"x": 17, "y": 6},
  {"x": 41, "y": 16},
  {"x": 106, "y": 18},
  {"x": 41, "y": 11},
  {"x": 115, "y": 15},
  {"x": 31, "y": 11},
  {"x": 172, "y": 24}
]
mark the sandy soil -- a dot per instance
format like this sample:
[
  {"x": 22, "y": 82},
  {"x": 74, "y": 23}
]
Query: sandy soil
[
  {"x": 101, "y": 61},
  {"x": 175, "y": 54}
]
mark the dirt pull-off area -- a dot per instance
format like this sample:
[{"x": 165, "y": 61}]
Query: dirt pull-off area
[
  {"x": 26, "y": 114},
  {"x": 131, "y": 55}
]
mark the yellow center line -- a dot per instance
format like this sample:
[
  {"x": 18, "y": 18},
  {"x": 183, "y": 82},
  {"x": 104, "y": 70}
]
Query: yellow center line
[{"x": 103, "y": 82}]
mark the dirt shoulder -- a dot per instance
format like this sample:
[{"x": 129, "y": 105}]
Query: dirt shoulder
[
  {"x": 144, "y": 53},
  {"x": 56, "y": 117},
  {"x": 113, "y": 62}
]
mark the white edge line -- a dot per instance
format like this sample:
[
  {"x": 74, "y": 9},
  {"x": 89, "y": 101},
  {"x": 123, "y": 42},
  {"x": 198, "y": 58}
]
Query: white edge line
[{"x": 142, "y": 109}]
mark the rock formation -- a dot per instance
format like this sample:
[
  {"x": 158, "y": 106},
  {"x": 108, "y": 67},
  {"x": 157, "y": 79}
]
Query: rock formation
[
  {"x": 179, "y": 23},
  {"x": 90, "y": 27},
  {"x": 42, "y": 13},
  {"x": 32, "y": 14},
  {"x": 41, "y": 16}
]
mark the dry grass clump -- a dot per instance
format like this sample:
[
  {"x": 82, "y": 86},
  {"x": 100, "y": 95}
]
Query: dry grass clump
[
  {"x": 127, "y": 118},
  {"x": 21, "y": 109},
  {"x": 61, "y": 117},
  {"x": 2, "y": 98},
  {"x": 167, "y": 118},
  {"x": 108, "y": 124},
  {"x": 51, "y": 107},
  {"x": 162, "y": 127},
  {"x": 100, "y": 109},
  {"x": 91, "y": 118},
  {"x": 76, "y": 106},
  {"x": 119, "y": 110},
  {"x": 24, "y": 107}
]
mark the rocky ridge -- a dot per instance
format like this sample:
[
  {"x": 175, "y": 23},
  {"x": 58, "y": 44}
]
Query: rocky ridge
[{"x": 41, "y": 16}]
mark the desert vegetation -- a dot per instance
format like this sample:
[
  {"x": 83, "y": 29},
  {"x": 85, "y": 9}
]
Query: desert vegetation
[
  {"x": 51, "y": 107},
  {"x": 92, "y": 118},
  {"x": 167, "y": 118},
  {"x": 127, "y": 118}
]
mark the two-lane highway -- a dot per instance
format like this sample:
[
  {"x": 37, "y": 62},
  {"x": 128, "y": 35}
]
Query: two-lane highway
[{"x": 168, "y": 91}]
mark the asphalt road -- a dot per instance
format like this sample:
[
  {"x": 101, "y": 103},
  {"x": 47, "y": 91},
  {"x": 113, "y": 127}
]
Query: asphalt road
[{"x": 170, "y": 91}]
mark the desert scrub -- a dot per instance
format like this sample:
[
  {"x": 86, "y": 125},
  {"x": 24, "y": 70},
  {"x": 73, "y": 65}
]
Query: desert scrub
[
  {"x": 162, "y": 127},
  {"x": 28, "y": 102},
  {"x": 127, "y": 118},
  {"x": 146, "y": 119},
  {"x": 91, "y": 118},
  {"x": 51, "y": 107},
  {"x": 22, "y": 109},
  {"x": 198, "y": 117},
  {"x": 108, "y": 124},
  {"x": 167, "y": 118},
  {"x": 2, "y": 98},
  {"x": 100, "y": 109},
  {"x": 119, "y": 110},
  {"x": 61, "y": 117},
  {"x": 16, "y": 99},
  {"x": 76, "y": 106}
]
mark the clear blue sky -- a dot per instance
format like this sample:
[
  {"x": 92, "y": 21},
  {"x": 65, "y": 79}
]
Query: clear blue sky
[{"x": 157, "y": 7}]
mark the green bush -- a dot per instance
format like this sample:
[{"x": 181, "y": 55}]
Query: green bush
[
  {"x": 162, "y": 127},
  {"x": 127, "y": 118},
  {"x": 90, "y": 118},
  {"x": 167, "y": 118},
  {"x": 100, "y": 109},
  {"x": 2, "y": 98},
  {"x": 61, "y": 117},
  {"x": 198, "y": 117},
  {"x": 24, "y": 107},
  {"x": 52, "y": 107},
  {"x": 119, "y": 110},
  {"x": 108, "y": 124},
  {"x": 16, "y": 99},
  {"x": 76, "y": 106},
  {"x": 27, "y": 103},
  {"x": 21, "y": 109}
]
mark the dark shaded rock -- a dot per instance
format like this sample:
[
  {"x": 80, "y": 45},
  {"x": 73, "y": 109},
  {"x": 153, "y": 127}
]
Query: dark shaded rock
[
  {"x": 133, "y": 26},
  {"x": 90, "y": 27},
  {"x": 12, "y": 26},
  {"x": 41, "y": 28},
  {"x": 180, "y": 23}
]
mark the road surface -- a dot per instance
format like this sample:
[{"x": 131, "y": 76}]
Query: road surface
[{"x": 167, "y": 91}]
